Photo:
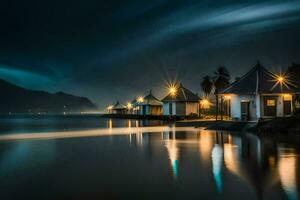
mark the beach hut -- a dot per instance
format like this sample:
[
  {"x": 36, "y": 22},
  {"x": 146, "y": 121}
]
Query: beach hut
[
  {"x": 259, "y": 94},
  {"x": 119, "y": 108},
  {"x": 150, "y": 105},
  {"x": 180, "y": 102}
]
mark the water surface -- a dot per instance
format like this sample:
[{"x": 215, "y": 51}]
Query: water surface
[{"x": 163, "y": 163}]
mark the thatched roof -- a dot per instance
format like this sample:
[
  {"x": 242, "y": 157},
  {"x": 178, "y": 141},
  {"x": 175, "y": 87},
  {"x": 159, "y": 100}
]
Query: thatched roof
[
  {"x": 151, "y": 100},
  {"x": 257, "y": 80},
  {"x": 119, "y": 106},
  {"x": 183, "y": 95}
]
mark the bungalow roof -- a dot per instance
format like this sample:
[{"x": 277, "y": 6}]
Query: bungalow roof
[
  {"x": 119, "y": 106},
  {"x": 151, "y": 100},
  {"x": 258, "y": 80},
  {"x": 183, "y": 95}
]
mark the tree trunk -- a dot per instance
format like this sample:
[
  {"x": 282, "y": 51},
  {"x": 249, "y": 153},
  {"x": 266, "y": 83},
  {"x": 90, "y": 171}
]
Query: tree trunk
[
  {"x": 222, "y": 106},
  {"x": 217, "y": 106}
]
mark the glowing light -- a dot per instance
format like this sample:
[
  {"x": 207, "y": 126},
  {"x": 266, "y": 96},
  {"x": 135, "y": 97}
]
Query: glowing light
[
  {"x": 287, "y": 172},
  {"x": 217, "y": 161},
  {"x": 129, "y": 106},
  {"x": 91, "y": 133},
  {"x": 172, "y": 89},
  {"x": 281, "y": 80},
  {"x": 173, "y": 152},
  {"x": 287, "y": 97},
  {"x": 227, "y": 97},
  {"x": 110, "y": 124},
  {"x": 140, "y": 99},
  {"x": 205, "y": 103},
  {"x": 205, "y": 146},
  {"x": 109, "y": 107}
]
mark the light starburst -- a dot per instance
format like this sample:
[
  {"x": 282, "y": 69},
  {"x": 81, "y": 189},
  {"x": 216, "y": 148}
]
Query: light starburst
[
  {"x": 282, "y": 80},
  {"x": 172, "y": 89}
]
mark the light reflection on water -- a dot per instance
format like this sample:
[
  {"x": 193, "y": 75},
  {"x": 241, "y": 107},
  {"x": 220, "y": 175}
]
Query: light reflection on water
[
  {"x": 157, "y": 162},
  {"x": 287, "y": 168}
]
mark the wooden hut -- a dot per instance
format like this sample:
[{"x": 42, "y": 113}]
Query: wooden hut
[
  {"x": 150, "y": 105},
  {"x": 259, "y": 94},
  {"x": 119, "y": 108},
  {"x": 183, "y": 102}
]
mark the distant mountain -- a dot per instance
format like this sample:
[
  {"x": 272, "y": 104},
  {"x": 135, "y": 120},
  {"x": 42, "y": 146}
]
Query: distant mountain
[{"x": 16, "y": 99}]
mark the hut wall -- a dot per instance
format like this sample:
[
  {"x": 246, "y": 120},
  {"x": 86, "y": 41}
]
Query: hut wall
[
  {"x": 166, "y": 108},
  {"x": 180, "y": 108},
  {"x": 192, "y": 107},
  {"x": 279, "y": 103},
  {"x": 155, "y": 110},
  {"x": 235, "y": 107}
]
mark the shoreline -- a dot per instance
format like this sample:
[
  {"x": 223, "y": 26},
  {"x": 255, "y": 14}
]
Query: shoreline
[{"x": 283, "y": 125}]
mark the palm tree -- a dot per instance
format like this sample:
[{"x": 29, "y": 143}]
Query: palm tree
[
  {"x": 221, "y": 80},
  {"x": 207, "y": 85}
]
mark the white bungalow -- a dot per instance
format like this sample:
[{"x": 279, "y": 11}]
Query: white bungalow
[
  {"x": 259, "y": 94},
  {"x": 183, "y": 102},
  {"x": 150, "y": 105},
  {"x": 119, "y": 108}
]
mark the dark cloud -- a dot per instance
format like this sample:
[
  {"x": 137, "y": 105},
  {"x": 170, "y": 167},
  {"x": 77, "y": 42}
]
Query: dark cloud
[{"x": 109, "y": 50}]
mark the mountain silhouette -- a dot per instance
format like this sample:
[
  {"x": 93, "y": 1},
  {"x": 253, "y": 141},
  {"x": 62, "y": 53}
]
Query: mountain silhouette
[{"x": 16, "y": 99}]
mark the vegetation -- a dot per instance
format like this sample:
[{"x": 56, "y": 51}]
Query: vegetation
[
  {"x": 207, "y": 85},
  {"x": 219, "y": 81}
]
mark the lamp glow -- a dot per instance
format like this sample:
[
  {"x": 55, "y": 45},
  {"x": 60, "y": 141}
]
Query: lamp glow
[
  {"x": 280, "y": 79},
  {"x": 109, "y": 107},
  {"x": 227, "y": 97},
  {"x": 129, "y": 106},
  {"x": 205, "y": 103},
  {"x": 140, "y": 99},
  {"x": 173, "y": 90}
]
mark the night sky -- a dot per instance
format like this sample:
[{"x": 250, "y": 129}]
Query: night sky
[{"x": 114, "y": 50}]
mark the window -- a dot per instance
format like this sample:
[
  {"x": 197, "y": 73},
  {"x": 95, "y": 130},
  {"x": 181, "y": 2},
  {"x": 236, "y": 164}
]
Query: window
[{"x": 271, "y": 102}]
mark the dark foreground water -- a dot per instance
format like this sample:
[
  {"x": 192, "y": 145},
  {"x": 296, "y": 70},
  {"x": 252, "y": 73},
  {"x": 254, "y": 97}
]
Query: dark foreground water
[{"x": 174, "y": 164}]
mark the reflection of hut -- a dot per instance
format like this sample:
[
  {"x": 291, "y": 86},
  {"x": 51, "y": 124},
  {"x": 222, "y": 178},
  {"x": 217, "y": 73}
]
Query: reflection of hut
[
  {"x": 119, "y": 108},
  {"x": 181, "y": 103},
  {"x": 150, "y": 105}
]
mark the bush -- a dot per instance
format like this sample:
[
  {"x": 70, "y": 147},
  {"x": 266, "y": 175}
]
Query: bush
[{"x": 192, "y": 116}]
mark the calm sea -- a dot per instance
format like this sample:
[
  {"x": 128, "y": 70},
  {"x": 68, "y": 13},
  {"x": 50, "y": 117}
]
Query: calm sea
[{"x": 152, "y": 162}]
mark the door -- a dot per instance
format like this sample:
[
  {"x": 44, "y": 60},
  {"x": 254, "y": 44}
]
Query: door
[
  {"x": 144, "y": 110},
  {"x": 245, "y": 111},
  {"x": 270, "y": 106},
  {"x": 287, "y": 107},
  {"x": 170, "y": 108}
]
